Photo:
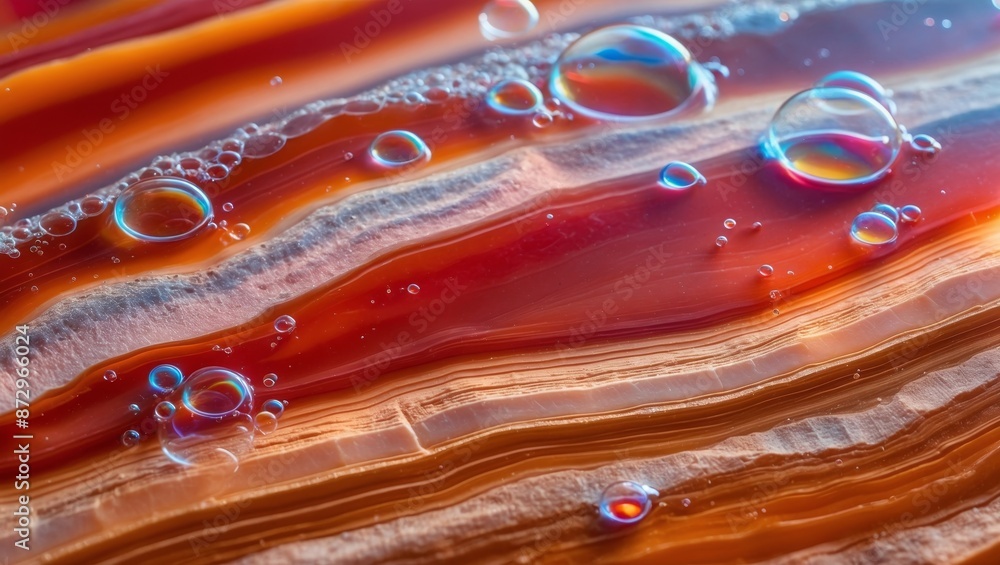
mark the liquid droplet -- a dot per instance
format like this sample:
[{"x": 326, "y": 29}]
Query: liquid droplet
[
  {"x": 227, "y": 207},
  {"x": 765, "y": 270},
  {"x": 57, "y": 224},
  {"x": 276, "y": 81},
  {"x": 625, "y": 503},
  {"x": 925, "y": 144},
  {"x": 164, "y": 411},
  {"x": 680, "y": 176},
  {"x": 130, "y": 438},
  {"x": 872, "y": 228},
  {"x": 133, "y": 408},
  {"x": 239, "y": 232},
  {"x": 729, "y": 223},
  {"x": 397, "y": 148},
  {"x": 910, "y": 213},
  {"x": 721, "y": 241},
  {"x": 162, "y": 209},
  {"x": 624, "y": 72},
  {"x": 270, "y": 380},
  {"x": 110, "y": 376},
  {"x": 514, "y": 97},
  {"x": 413, "y": 288},
  {"x": 834, "y": 136},
  {"x": 887, "y": 211},
  {"x": 265, "y": 422},
  {"x": 862, "y": 83},
  {"x": 165, "y": 378},
  {"x": 501, "y": 19},
  {"x": 284, "y": 324}
]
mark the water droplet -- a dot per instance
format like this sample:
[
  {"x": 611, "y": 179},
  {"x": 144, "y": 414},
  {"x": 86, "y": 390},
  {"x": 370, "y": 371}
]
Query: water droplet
[
  {"x": 910, "y": 213},
  {"x": 626, "y": 502},
  {"x": 765, "y": 270},
  {"x": 162, "y": 209},
  {"x": 397, "y": 148},
  {"x": 212, "y": 422},
  {"x": 685, "y": 502},
  {"x": 165, "y": 378},
  {"x": 284, "y": 324},
  {"x": 57, "y": 224},
  {"x": 887, "y": 211},
  {"x": 133, "y": 408},
  {"x": 756, "y": 226},
  {"x": 265, "y": 422},
  {"x": 775, "y": 295},
  {"x": 872, "y": 228},
  {"x": 925, "y": 144},
  {"x": 130, "y": 438},
  {"x": 729, "y": 223},
  {"x": 270, "y": 380},
  {"x": 514, "y": 97},
  {"x": 624, "y": 72},
  {"x": 834, "y": 136},
  {"x": 239, "y": 232},
  {"x": 164, "y": 411},
  {"x": 501, "y": 19},
  {"x": 275, "y": 407},
  {"x": 110, "y": 376},
  {"x": 276, "y": 81},
  {"x": 680, "y": 176},
  {"x": 721, "y": 241},
  {"x": 227, "y": 207},
  {"x": 413, "y": 288},
  {"x": 858, "y": 82}
]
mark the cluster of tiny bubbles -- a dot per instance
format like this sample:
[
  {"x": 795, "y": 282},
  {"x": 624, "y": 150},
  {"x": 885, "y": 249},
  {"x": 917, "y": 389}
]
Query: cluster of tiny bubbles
[
  {"x": 834, "y": 136},
  {"x": 398, "y": 148},
  {"x": 303, "y": 122},
  {"x": 211, "y": 421},
  {"x": 161, "y": 209},
  {"x": 764, "y": 18},
  {"x": 503, "y": 19},
  {"x": 678, "y": 176},
  {"x": 628, "y": 72},
  {"x": 284, "y": 324},
  {"x": 165, "y": 378},
  {"x": 266, "y": 420},
  {"x": 270, "y": 380},
  {"x": 130, "y": 438},
  {"x": 515, "y": 97},
  {"x": 626, "y": 502}
]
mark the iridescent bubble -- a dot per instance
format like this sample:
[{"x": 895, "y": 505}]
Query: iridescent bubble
[
  {"x": 164, "y": 411},
  {"x": 858, "y": 82},
  {"x": 275, "y": 407},
  {"x": 397, "y": 148},
  {"x": 212, "y": 423},
  {"x": 57, "y": 224},
  {"x": 624, "y": 72},
  {"x": 162, "y": 209},
  {"x": 165, "y": 378},
  {"x": 507, "y": 18},
  {"x": 834, "y": 136},
  {"x": 130, "y": 438},
  {"x": 265, "y": 422},
  {"x": 872, "y": 228},
  {"x": 270, "y": 380},
  {"x": 680, "y": 176},
  {"x": 626, "y": 502},
  {"x": 284, "y": 324},
  {"x": 910, "y": 213},
  {"x": 887, "y": 211},
  {"x": 514, "y": 96}
]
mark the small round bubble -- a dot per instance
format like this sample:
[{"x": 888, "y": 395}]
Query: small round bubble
[
  {"x": 130, "y": 438},
  {"x": 925, "y": 144},
  {"x": 834, "y": 137},
  {"x": 275, "y": 407},
  {"x": 514, "y": 97},
  {"x": 57, "y": 224},
  {"x": 265, "y": 422},
  {"x": 626, "y": 502},
  {"x": 270, "y": 380},
  {"x": 165, "y": 378},
  {"x": 500, "y": 19},
  {"x": 872, "y": 228},
  {"x": 721, "y": 241},
  {"x": 239, "y": 232},
  {"x": 413, "y": 288},
  {"x": 765, "y": 270},
  {"x": 887, "y": 211},
  {"x": 110, "y": 376},
  {"x": 397, "y": 148},
  {"x": 729, "y": 223},
  {"x": 626, "y": 72},
  {"x": 910, "y": 213},
  {"x": 227, "y": 207},
  {"x": 93, "y": 205},
  {"x": 162, "y": 209},
  {"x": 284, "y": 324},
  {"x": 164, "y": 411},
  {"x": 680, "y": 176}
]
